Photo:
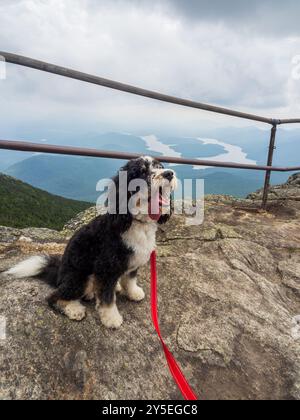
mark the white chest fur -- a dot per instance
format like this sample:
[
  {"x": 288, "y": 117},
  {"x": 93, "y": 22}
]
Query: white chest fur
[{"x": 141, "y": 238}]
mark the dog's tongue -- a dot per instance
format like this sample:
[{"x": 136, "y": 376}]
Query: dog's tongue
[{"x": 154, "y": 207}]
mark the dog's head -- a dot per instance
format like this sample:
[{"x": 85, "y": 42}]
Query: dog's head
[{"x": 144, "y": 188}]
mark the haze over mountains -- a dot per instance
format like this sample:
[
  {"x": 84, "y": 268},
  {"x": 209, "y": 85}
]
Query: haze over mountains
[{"x": 76, "y": 177}]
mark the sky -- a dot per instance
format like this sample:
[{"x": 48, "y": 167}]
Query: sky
[{"x": 237, "y": 54}]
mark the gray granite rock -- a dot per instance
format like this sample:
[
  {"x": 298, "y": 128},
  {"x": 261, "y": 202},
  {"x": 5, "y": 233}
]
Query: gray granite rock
[
  {"x": 229, "y": 303},
  {"x": 288, "y": 191}
]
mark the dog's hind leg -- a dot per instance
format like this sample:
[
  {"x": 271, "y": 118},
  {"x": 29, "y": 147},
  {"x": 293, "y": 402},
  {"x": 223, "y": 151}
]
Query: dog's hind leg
[
  {"x": 89, "y": 293},
  {"x": 73, "y": 309},
  {"x": 67, "y": 297},
  {"x": 130, "y": 287}
]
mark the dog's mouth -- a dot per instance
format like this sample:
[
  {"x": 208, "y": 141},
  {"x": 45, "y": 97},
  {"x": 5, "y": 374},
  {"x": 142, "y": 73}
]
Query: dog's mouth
[{"x": 156, "y": 204}]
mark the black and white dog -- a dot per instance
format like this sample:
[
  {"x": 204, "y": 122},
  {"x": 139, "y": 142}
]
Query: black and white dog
[{"x": 104, "y": 256}]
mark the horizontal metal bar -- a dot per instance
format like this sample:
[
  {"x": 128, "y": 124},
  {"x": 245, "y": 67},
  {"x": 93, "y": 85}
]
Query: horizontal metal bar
[
  {"x": 289, "y": 121},
  {"x": 73, "y": 74},
  {"x": 78, "y": 151}
]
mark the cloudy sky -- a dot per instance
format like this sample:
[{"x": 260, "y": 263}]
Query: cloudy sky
[{"x": 237, "y": 54}]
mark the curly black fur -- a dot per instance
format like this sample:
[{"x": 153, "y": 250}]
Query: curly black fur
[
  {"x": 50, "y": 273},
  {"x": 98, "y": 249}
]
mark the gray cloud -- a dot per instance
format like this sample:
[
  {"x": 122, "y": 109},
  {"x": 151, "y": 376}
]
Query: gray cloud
[
  {"x": 275, "y": 17},
  {"x": 149, "y": 44}
]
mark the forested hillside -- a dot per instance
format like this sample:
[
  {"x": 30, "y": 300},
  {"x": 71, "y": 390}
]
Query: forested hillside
[{"x": 22, "y": 205}]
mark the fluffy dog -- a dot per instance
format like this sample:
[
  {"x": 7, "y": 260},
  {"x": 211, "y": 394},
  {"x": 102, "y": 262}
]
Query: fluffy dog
[{"x": 105, "y": 255}]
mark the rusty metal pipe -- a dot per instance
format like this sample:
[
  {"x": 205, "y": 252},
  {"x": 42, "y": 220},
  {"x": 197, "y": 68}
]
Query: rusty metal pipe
[
  {"x": 269, "y": 163},
  {"x": 84, "y": 77},
  {"x": 78, "y": 151},
  {"x": 73, "y": 74},
  {"x": 289, "y": 121}
]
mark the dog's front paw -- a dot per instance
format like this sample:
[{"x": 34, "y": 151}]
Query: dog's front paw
[
  {"x": 136, "y": 294},
  {"x": 75, "y": 311},
  {"x": 110, "y": 317}
]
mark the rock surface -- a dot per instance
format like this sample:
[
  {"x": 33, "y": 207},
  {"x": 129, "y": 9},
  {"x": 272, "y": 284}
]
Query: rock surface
[
  {"x": 288, "y": 191},
  {"x": 229, "y": 302}
]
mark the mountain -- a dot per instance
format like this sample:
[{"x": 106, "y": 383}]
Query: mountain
[
  {"x": 67, "y": 176},
  {"x": 76, "y": 177},
  {"x": 22, "y": 206},
  {"x": 9, "y": 158},
  {"x": 237, "y": 186}
]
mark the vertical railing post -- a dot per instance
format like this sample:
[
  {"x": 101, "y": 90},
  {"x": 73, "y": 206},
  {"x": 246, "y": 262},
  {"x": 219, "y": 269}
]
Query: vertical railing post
[{"x": 270, "y": 163}]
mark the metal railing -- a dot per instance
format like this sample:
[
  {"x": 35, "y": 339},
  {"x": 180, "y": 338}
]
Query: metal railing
[{"x": 76, "y": 151}]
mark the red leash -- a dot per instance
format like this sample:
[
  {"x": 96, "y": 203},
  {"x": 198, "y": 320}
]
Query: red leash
[{"x": 178, "y": 376}]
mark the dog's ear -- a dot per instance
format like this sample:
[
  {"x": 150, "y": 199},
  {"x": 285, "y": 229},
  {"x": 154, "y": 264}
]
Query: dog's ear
[
  {"x": 118, "y": 205},
  {"x": 166, "y": 217}
]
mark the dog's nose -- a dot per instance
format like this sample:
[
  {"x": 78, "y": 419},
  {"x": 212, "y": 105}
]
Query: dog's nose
[{"x": 169, "y": 175}]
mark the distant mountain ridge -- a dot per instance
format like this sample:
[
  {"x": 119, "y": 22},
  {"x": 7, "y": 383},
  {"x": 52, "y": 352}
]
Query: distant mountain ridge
[
  {"x": 76, "y": 177},
  {"x": 22, "y": 205}
]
